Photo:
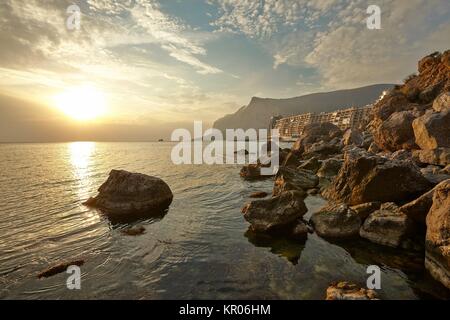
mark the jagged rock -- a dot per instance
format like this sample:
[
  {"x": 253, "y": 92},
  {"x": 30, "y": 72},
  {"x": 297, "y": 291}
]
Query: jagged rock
[
  {"x": 400, "y": 155},
  {"x": 259, "y": 194},
  {"x": 418, "y": 208},
  {"x": 396, "y": 132},
  {"x": 365, "y": 177},
  {"x": 437, "y": 243},
  {"x": 442, "y": 102},
  {"x": 336, "y": 221},
  {"x": 274, "y": 213},
  {"x": 292, "y": 160},
  {"x": 289, "y": 178},
  {"x": 438, "y": 156},
  {"x": 432, "y": 130},
  {"x": 352, "y": 136},
  {"x": 363, "y": 210},
  {"x": 391, "y": 103},
  {"x": 433, "y": 176},
  {"x": 312, "y": 164},
  {"x": 316, "y": 132},
  {"x": 348, "y": 291},
  {"x": 330, "y": 167},
  {"x": 126, "y": 193},
  {"x": 322, "y": 149},
  {"x": 388, "y": 226}
]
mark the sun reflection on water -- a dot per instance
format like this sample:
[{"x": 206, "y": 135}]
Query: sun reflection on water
[{"x": 81, "y": 159}]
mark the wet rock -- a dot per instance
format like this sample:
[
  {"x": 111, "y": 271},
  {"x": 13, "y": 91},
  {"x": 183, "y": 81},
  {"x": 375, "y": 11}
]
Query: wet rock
[
  {"x": 388, "y": 226},
  {"x": 330, "y": 167},
  {"x": 438, "y": 156},
  {"x": 61, "y": 267},
  {"x": 336, "y": 221},
  {"x": 396, "y": 132},
  {"x": 432, "y": 130},
  {"x": 275, "y": 213},
  {"x": 252, "y": 172},
  {"x": 126, "y": 193},
  {"x": 312, "y": 164},
  {"x": 353, "y": 137},
  {"x": 365, "y": 177},
  {"x": 289, "y": 178},
  {"x": 437, "y": 243},
  {"x": 348, "y": 291},
  {"x": 442, "y": 102},
  {"x": 300, "y": 231},
  {"x": 363, "y": 210},
  {"x": 133, "y": 231},
  {"x": 259, "y": 194}
]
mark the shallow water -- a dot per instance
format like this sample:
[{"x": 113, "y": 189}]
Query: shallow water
[{"x": 199, "y": 249}]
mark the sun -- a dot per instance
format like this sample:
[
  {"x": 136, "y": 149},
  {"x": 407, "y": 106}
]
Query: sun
[{"x": 82, "y": 103}]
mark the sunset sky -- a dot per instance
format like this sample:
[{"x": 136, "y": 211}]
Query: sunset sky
[{"x": 163, "y": 64}]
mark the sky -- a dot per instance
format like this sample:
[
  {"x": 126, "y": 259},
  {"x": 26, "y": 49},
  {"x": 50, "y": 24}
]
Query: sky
[{"x": 167, "y": 63}]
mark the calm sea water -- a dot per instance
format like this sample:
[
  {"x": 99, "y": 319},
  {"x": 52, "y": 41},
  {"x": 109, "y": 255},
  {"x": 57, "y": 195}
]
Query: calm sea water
[{"x": 199, "y": 249}]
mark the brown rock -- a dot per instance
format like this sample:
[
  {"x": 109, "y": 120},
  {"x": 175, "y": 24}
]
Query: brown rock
[
  {"x": 432, "y": 130},
  {"x": 352, "y": 137},
  {"x": 388, "y": 226},
  {"x": 61, "y": 267},
  {"x": 316, "y": 132},
  {"x": 348, "y": 291},
  {"x": 289, "y": 178},
  {"x": 365, "y": 177},
  {"x": 312, "y": 164},
  {"x": 133, "y": 231},
  {"x": 438, "y": 156},
  {"x": 437, "y": 254},
  {"x": 126, "y": 193},
  {"x": 330, "y": 167},
  {"x": 259, "y": 194},
  {"x": 336, "y": 221},
  {"x": 363, "y": 210},
  {"x": 274, "y": 213},
  {"x": 442, "y": 102},
  {"x": 396, "y": 132}
]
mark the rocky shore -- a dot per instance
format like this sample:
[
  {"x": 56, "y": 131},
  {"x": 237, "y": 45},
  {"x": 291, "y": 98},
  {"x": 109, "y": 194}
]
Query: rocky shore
[{"x": 387, "y": 181}]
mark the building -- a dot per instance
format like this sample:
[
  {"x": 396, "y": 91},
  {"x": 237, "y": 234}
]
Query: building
[{"x": 291, "y": 127}]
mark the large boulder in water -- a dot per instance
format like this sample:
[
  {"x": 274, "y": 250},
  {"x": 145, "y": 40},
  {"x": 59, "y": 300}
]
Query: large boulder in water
[
  {"x": 126, "y": 193},
  {"x": 277, "y": 212},
  {"x": 437, "y": 244},
  {"x": 365, "y": 177}
]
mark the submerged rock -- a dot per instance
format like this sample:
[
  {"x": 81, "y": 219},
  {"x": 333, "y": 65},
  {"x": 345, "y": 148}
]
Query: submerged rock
[
  {"x": 348, "y": 291},
  {"x": 126, "y": 193},
  {"x": 274, "y": 213},
  {"x": 61, "y": 267},
  {"x": 437, "y": 243},
  {"x": 388, "y": 226},
  {"x": 133, "y": 231},
  {"x": 259, "y": 194},
  {"x": 336, "y": 221}
]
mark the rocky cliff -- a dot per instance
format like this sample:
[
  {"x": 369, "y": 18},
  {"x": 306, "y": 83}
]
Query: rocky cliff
[{"x": 258, "y": 112}]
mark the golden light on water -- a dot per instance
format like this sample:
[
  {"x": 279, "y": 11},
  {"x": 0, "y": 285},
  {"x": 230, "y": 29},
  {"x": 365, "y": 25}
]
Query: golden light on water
[{"x": 82, "y": 103}]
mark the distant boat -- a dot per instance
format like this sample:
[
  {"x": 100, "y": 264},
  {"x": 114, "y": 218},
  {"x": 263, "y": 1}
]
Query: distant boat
[{"x": 161, "y": 140}]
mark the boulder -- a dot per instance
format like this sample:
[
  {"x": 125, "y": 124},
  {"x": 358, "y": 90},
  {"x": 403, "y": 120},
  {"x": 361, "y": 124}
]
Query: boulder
[
  {"x": 126, "y": 193},
  {"x": 365, "y": 177},
  {"x": 438, "y": 156},
  {"x": 353, "y": 137},
  {"x": 437, "y": 243},
  {"x": 300, "y": 231},
  {"x": 322, "y": 150},
  {"x": 432, "y": 130},
  {"x": 442, "y": 102},
  {"x": 330, "y": 167},
  {"x": 363, "y": 210},
  {"x": 373, "y": 148},
  {"x": 392, "y": 102},
  {"x": 292, "y": 160},
  {"x": 433, "y": 176},
  {"x": 316, "y": 132},
  {"x": 388, "y": 226},
  {"x": 289, "y": 178},
  {"x": 312, "y": 164},
  {"x": 277, "y": 212},
  {"x": 336, "y": 221},
  {"x": 418, "y": 208},
  {"x": 396, "y": 132},
  {"x": 348, "y": 291}
]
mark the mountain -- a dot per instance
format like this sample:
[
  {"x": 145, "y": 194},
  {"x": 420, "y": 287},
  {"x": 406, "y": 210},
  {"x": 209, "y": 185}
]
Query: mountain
[{"x": 258, "y": 112}]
